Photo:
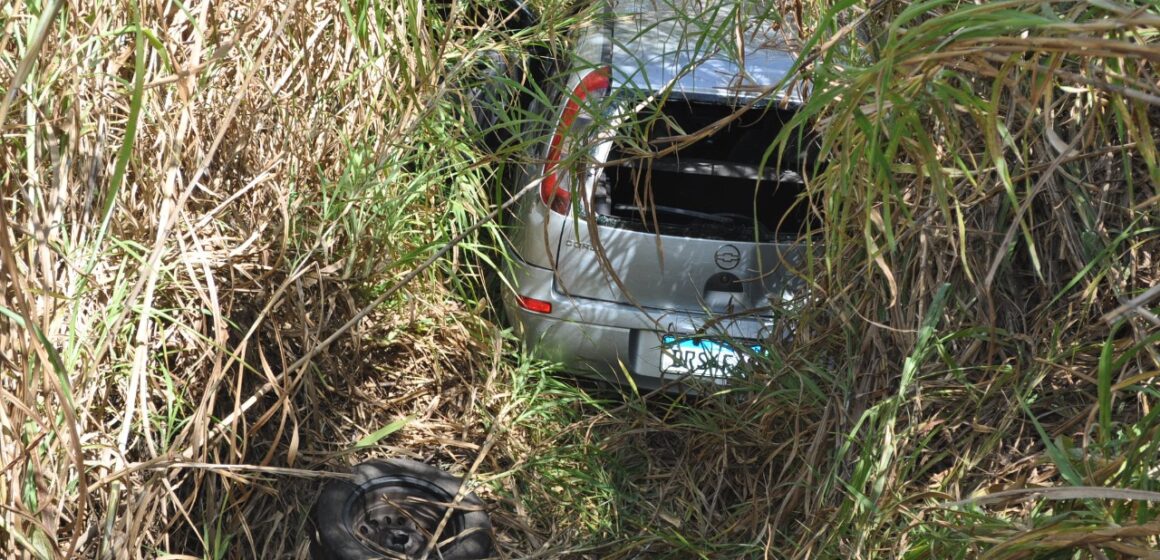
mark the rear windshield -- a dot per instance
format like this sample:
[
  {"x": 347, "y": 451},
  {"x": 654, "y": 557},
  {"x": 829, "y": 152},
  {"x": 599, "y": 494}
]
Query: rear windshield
[{"x": 678, "y": 171}]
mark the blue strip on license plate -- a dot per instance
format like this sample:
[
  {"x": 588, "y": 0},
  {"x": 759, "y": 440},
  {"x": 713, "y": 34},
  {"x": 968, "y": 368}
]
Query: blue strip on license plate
[{"x": 702, "y": 356}]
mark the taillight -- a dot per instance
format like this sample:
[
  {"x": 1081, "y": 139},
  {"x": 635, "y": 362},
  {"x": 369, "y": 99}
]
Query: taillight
[
  {"x": 533, "y": 304},
  {"x": 558, "y": 197}
]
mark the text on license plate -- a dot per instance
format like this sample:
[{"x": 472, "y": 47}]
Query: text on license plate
[{"x": 701, "y": 357}]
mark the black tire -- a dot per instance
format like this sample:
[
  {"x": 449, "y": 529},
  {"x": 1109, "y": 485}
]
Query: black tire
[
  {"x": 493, "y": 97},
  {"x": 511, "y": 15},
  {"x": 523, "y": 16},
  {"x": 390, "y": 509}
]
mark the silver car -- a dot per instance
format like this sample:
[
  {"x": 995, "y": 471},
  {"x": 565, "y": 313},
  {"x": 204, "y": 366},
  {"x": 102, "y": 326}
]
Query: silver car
[{"x": 659, "y": 236}]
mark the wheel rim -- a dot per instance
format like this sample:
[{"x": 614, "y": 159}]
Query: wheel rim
[{"x": 399, "y": 514}]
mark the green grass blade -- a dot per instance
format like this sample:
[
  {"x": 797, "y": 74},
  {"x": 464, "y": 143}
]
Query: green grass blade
[{"x": 377, "y": 435}]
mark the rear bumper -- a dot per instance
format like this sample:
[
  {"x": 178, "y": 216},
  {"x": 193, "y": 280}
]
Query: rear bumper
[{"x": 608, "y": 339}]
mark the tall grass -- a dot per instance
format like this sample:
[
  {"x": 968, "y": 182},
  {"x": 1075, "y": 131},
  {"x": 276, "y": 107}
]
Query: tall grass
[
  {"x": 221, "y": 280},
  {"x": 195, "y": 198},
  {"x": 988, "y": 208}
]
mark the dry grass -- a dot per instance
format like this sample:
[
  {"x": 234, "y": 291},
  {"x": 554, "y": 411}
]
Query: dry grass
[
  {"x": 194, "y": 198},
  {"x": 210, "y": 209},
  {"x": 989, "y": 208}
]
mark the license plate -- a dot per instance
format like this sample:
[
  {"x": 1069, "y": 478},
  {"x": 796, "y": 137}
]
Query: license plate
[{"x": 702, "y": 357}]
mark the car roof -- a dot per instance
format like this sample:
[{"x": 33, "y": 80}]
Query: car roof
[{"x": 696, "y": 45}]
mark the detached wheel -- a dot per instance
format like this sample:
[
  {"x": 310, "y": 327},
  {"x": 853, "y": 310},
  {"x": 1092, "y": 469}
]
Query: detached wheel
[{"x": 391, "y": 509}]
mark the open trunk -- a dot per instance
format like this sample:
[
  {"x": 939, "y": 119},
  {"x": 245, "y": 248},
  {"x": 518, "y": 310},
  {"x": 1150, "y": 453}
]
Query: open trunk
[
  {"x": 662, "y": 177},
  {"x": 687, "y": 218}
]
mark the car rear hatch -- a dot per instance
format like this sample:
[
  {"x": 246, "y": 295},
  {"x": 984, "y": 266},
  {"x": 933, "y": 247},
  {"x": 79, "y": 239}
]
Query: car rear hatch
[{"x": 679, "y": 212}]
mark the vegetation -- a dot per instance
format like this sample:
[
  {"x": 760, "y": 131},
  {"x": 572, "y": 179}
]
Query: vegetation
[{"x": 241, "y": 248}]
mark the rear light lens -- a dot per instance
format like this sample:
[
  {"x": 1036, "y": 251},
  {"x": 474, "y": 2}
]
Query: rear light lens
[
  {"x": 533, "y": 304},
  {"x": 556, "y": 195}
]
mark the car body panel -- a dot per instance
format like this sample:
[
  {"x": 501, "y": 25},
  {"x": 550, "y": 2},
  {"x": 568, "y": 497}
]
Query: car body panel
[
  {"x": 668, "y": 272},
  {"x": 680, "y": 48},
  {"x": 609, "y": 339}
]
